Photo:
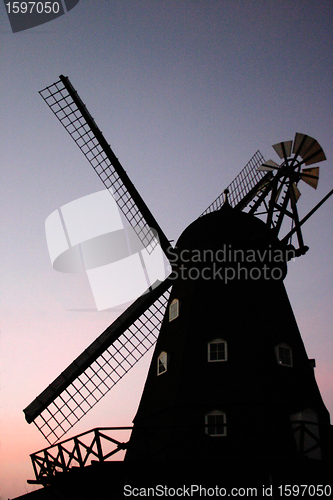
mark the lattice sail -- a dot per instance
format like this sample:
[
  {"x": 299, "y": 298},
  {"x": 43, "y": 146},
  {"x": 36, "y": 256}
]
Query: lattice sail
[
  {"x": 243, "y": 189},
  {"x": 67, "y": 106},
  {"x": 100, "y": 366}
]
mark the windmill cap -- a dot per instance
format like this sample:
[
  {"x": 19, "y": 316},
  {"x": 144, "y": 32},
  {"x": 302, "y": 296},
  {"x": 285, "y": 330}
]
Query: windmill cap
[{"x": 234, "y": 240}]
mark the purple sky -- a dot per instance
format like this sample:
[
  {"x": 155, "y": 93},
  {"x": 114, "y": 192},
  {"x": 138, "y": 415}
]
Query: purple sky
[{"x": 185, "y": 92}]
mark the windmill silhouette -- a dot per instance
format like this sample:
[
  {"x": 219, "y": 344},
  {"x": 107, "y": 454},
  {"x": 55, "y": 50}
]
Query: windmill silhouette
[{"x": 229, "y": 376}]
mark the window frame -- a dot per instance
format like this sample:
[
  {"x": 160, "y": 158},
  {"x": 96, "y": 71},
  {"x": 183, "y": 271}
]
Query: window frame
[
  {"x": 173, "y": 305},
  {"x": 162, "y": 361},
  {"x": 208, "y": 425},
  {"x": 279, "y": 356},
  {"x": 217, "y": 341}
]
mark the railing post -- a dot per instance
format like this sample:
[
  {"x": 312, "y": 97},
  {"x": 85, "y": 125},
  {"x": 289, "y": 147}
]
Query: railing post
[
  {"x": 34, "y": 465},
  {"x": 99, "y": 445},
  {"x": 78, "y": 451},
  {"x": 62, "y": 458}
]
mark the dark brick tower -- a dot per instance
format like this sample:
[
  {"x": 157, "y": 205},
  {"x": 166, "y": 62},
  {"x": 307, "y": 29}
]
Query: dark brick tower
[{"x": 230, "y": 379}]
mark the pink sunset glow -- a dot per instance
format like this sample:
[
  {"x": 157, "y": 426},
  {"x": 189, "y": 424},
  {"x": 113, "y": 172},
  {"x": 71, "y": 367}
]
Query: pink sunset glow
[{"x": 185, "y": 92}]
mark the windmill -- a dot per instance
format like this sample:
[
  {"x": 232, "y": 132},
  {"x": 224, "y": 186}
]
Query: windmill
[{"x": 211, "y": 323}]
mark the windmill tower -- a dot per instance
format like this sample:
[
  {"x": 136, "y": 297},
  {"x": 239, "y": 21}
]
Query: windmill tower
[{"x": 230, "y": 380}]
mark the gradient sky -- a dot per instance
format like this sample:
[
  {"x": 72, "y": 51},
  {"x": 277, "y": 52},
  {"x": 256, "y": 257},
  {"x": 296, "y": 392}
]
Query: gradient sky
[{"x": 185, "y": 91}]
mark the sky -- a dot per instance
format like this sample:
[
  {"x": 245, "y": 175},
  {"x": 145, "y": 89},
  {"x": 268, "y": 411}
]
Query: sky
[{"x": 185, "y": 91}]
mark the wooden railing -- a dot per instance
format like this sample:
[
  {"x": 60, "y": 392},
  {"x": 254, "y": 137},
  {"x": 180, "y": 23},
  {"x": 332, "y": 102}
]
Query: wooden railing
[{"x": 79, "y": 451}]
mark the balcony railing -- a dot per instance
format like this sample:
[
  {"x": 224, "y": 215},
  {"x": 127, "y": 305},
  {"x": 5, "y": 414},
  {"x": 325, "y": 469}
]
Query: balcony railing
[{"x": 79, "y": 451}]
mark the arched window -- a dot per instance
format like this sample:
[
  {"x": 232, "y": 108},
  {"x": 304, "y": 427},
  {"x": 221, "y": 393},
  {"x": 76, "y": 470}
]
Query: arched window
[
  {"x": 284, "y": 355},
  {"x": 162, "y": 363},
  {"x": 217, "y": 350},
  {"x": 174, "y": 310},
  {"x": 215, "y": 423}
]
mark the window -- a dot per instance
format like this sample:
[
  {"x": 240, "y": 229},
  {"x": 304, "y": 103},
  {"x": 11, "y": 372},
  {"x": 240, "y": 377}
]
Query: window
[
  {"x": 162, "y": 363},
  {"x": 306, "y": 432},
  {"x": 217, "y": 350},
  {"x": 284, "y": 355},
  {"x": 216, "y": 423},
  {"x": 174, "y": 309}
]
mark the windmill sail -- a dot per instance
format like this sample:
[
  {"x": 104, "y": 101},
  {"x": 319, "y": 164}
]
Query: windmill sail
[
  {"x": 90, "y": 376},
  {"x": 65, "y": 103},
  {"x": 66, "y": 400},
  {"x": 244, "y": 187},
  {"x": 121, "y": 345}
]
